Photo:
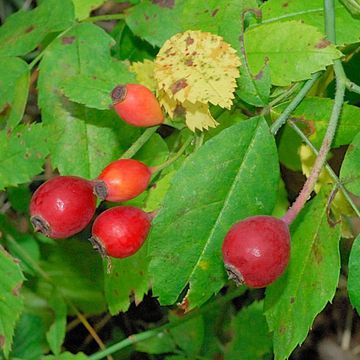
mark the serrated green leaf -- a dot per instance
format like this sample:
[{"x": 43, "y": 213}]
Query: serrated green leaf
[
  {"x": 251, "y": 336},
  {"x": 89, "y": 138},
  {"x": 25, "y": 146},
  {"x": 66, "y": 356},
  {"x": 294, "y": 51},
  {"x": 312, "y": 116},
  {"x": 24, "y": 30},
  {"x": 29, "y": 338},
  {"x": 19, "y": 198},
  {"x": 56, "y": 333},
  {"x": 312, "y": 13},
  {"x": 83, "y": 8},
  {"x": 350, "y": 168},
  {"x": 128, "y": 277},
  {"x": 200, "y": 207},
  {"x": 14, "y": 85},
  {"x": 290, "y": 304},
  {"x": 94, "y": 90},
  {"x": 11, "y": 304},
  {"x": 77, "y": 272},
  {"x": 353, "y": 285}
]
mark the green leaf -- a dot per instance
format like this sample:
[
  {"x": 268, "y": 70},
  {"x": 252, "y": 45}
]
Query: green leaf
[
  {"x": 350, "y": 168},
  {"x": 24, "y": 30},
  {"x": 77, "y": 272},
  {"x": 158, "y": 21},
  {"x": 294, "y": 51},
  {"x": 251, "y": 336},
  {"x": 23, "y": 246},
  {"x": 130, "y": 47},
  {"x": 94, "y": 90},
  {"x": 128, "y": 277},
  {"x": 66, "y": 356},
  {"x": 27, "y": 147},
  {"x": 200, "y": 207},
  {"x": 312, "y": 13},
  {"x": 83, "y": 8},
  {"x": 19, "y": 198},
  {"x": 291, "y": 304},
  {"x": 187, "y": 335},
  {"x": 254, "y": 89},
  {"x": 312, "y": 116},
  {"x": 11, "y": 304},
  {"x": 89, "y": 138},
  {"x": 354, "y": 273},
  {"x": 14, "y": 85},
  {"x": 56, "y": 333},
  {"x": 29, "y": 339}
]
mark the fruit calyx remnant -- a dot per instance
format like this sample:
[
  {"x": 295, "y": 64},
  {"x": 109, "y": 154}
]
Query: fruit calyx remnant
[
  {"x": 40, "y": 225},
  {"x": 119, "y": 94},
  {"x": 100, "y": 189}
]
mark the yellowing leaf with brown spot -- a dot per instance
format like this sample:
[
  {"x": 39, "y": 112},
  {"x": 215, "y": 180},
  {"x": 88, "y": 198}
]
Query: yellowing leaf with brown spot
[
  {"x": 198, "y": 116},
  {"x": 144, "y": 73},
  {"x": 168, "y": 103},
  {"x": 197, "y": 66}
]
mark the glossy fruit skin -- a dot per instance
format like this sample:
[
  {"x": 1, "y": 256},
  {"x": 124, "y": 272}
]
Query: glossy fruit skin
[
  {"x": 137, "y": 105},
  {"x": 122, "y": 180},
  {"x": 256, "y": 250},
  {"x": 120, "y": 231},
  {"x": 62, "y": 206}
]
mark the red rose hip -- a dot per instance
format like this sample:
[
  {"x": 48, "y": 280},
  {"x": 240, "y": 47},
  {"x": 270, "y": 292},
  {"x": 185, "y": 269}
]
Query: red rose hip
[
  {"x": 120, "y": 231},
  {"x": 137, "y": 105},
  {"x": 122, "y": 180},
  {"x": 62, "y": 206},
  {"x": 256, "y": 250}
]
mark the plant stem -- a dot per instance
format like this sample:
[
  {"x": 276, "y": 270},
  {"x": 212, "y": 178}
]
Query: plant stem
[
  {"x": 330, "y": 131},
  {"x": 168, "y": 162},
  {"x": 133, "y": 339},
  {"x": 108, "y": 17},
  {"x": 137, "y": 145},
  {"x": 353, "y": 87},
  {"x": 280, "y": 121},
  {"x": 330, "y": 171}
]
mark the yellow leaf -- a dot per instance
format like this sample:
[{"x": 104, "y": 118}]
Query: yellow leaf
[
  {"x": 197, "y": 66},
  {"x": 144, "y": 73},
  {"x": 198, "y": 116},
  {"x": 168, "y": 103}
]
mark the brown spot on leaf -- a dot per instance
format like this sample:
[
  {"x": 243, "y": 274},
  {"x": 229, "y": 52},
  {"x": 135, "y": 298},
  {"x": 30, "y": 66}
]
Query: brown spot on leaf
[
  {"x": 292, "y": 300},
  {"x": 285, "y": 5},
  {"x": 164, "y": 3},
  {"x": 29, "y": 29},
  {"x": 188, "y": 62},
  {"x": 316, "y": 251},
  {"x": 259, "y": 75},
  {"x": 2, "y": 341},
  {"x": 323, "y": 43},
  {"x": 178, "y": 85},
  {"x": 5, "y": 110},
  {"x": 16, "y": 290},
  {"x": 189, "y": 40},
  {"x": 309, "y": 127},
  {"x": 214, "y": 12},
  {"x": 67, "y": 40}
]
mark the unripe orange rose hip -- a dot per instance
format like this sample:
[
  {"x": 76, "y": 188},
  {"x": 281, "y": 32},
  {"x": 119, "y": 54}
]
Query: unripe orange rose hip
[
  {"x": 122, "y": 180},
  {"x": 137, "y": 105}
]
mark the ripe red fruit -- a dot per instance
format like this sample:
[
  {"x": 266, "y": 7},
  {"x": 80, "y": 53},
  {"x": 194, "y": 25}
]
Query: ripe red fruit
[
  {"x": 120, "y": 231},
  {"x": 122, "y": 180},
  {"x": 62, "y": 206},
  {"x": 137, "y": 105},
  {"x": 256, "y": 250}
]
